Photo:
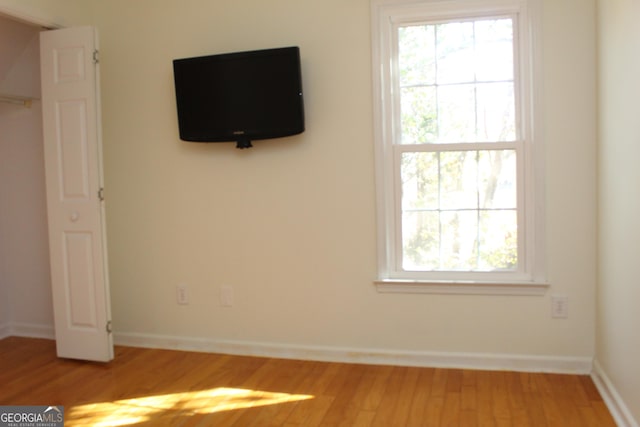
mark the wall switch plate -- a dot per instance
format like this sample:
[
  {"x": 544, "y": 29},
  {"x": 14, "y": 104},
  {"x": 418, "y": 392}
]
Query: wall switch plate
[
  {"x": 226, "y": 296},
  {"x": 559, "y": 307},
  {"x": 182, "y": 294}
]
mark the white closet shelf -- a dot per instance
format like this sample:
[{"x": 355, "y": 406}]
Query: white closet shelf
[{"x": 25, "y": 101}]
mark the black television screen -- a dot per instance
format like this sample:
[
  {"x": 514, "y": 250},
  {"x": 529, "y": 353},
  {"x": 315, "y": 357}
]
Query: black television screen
[{"x": 239, "y": 96}]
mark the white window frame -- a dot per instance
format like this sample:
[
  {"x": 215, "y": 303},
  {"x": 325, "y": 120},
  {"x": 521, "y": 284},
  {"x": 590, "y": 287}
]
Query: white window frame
[{"x": 529, "y": 279}]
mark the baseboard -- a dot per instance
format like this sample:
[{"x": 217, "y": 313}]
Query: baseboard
[
  {"x": 616, "y": 405},
  {"x": 501, "y": 362},
  {"x": 505, "y": 362},
  {"x": 30, "y": 330}
]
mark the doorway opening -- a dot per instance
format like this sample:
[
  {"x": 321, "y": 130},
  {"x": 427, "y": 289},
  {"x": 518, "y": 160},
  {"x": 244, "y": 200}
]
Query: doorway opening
[{"x": 25, "y": 282}]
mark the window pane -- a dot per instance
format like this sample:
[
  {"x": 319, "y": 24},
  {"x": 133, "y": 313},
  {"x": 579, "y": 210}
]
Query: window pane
[
  {"x": 456, "y": 113},
  {"x": 497, "y": 179},
  {"x": 455, "y": 53},
  {"x": 417, "y": 55},
  {"x": 494, "y": 49},
  {"x": 459, "y": 240},
  {"x": 498, "y": 240},
  {"x": 418, "y": 111},
  {"x": 458, "y": 180},
  {"x": 496, "y": 112},
  {"x": 420, "y": 181},
  {"x": 421, "y": 240}
]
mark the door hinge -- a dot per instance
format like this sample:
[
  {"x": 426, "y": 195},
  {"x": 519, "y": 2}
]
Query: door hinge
[
  {"x": 101, "y": 194},
  {"x": 109, "y": 327},
  {"x": 96, "y": 56}
]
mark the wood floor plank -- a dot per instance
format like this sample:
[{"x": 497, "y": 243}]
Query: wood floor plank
[
  {"x": 517, "y": 404},
  {"x": 364, "y": 419},
  {"x": 590, "y": 388},
  {"x": 468, "y": 390},
  {"x": 558, "y": 405},
  {"x": 377, "y": 378},
  {"x": 283, "y": 379},
  {"x": 604, "y": 416},
  {"x": 454, "y": 380},
  {"x": 418, "y": 410},
  {"x": 343, "y": 410},
  {"x": 316, "y": 383},
  {"x": 387, "y": 414},
  {"x": 451, "y": 409},
  {"x": 316, "y": 413},
  {"x": 500, "y": 397},
  {"x": 468, "y": 418},
  {"x": 186, "y": 389},
  {"x": 403, "y": 406},
  {"x": 484, "y": 399}
]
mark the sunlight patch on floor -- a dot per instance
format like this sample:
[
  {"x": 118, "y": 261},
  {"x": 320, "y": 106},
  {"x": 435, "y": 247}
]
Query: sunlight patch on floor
[{"x": 138, "y": 410}]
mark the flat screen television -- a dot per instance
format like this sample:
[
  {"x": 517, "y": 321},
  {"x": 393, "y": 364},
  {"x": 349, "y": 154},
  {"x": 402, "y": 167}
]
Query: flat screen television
[{"x": 240, "y": 96}]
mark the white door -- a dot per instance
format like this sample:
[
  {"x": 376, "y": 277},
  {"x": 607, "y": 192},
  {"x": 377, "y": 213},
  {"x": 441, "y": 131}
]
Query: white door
[{"x": 73, "y": 168}]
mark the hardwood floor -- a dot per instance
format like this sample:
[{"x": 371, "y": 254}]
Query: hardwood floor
[{"x": 173, "y": 388}]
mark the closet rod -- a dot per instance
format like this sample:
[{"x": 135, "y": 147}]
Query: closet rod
[{"x": 17, "y": 100}]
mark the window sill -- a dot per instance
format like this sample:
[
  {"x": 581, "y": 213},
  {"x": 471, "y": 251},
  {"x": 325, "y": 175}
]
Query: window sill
[{"x": 461, "y": 287}]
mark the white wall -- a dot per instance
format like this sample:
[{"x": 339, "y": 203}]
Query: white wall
[
  {"x": 618, "y": 349},
  {"x": 290, "y": 224}
]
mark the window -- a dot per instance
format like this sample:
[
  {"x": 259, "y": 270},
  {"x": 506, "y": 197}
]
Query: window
[{"x": 456, "y": 157}]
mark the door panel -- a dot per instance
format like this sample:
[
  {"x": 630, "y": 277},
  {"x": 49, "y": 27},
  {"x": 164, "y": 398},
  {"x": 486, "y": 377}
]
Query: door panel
[
  {"x": 78, "y": 272},
  {"x": 73, "y": 148},
  {"x": 73, "y": 156}
]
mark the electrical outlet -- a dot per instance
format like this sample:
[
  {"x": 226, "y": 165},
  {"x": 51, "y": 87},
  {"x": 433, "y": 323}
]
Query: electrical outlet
[
  {"x": 182, "y": 294},
  {"x": 559, "y": 307},
  {"x": 226, "y": 296}
]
